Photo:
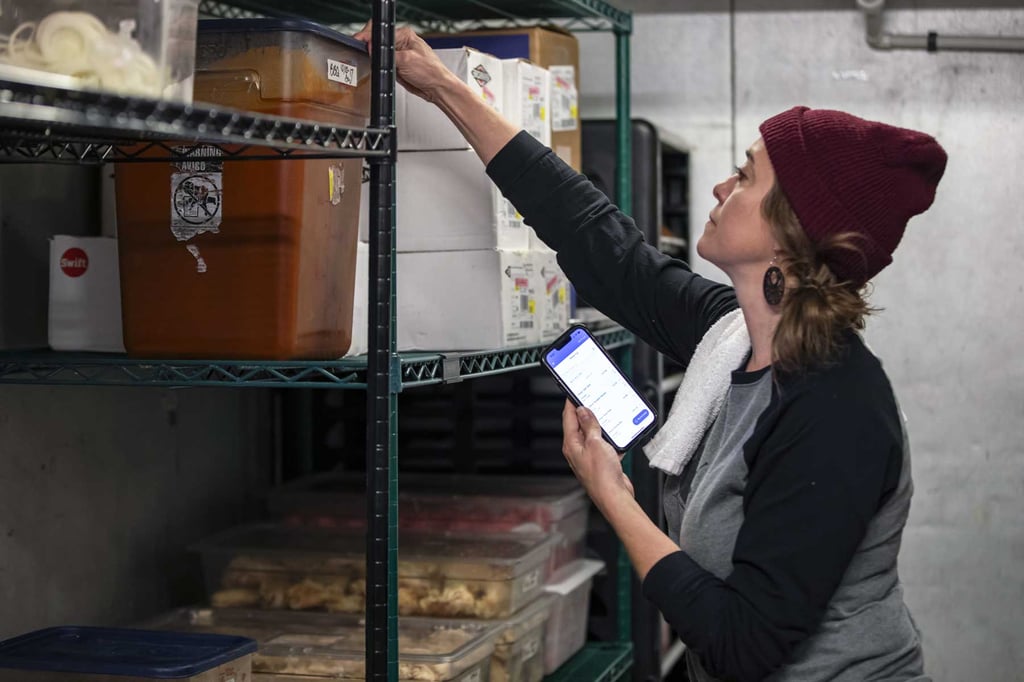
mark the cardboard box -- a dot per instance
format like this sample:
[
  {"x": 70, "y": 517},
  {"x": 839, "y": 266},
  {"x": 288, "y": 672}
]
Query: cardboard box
[
  {"x": 552, "y": 295},
  {"x": 555, "y": 50},
  {"x": 465, "y": 300},
  {"x": 85, "y": 295},
  {"x": 361, "y": 302},
  {"x": 422, "y": 126},
  {"x": 446, "y": 202}
]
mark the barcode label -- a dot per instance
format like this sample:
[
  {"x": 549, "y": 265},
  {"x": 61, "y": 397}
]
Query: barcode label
[
  {"x": 526, "y": 324},
  {"x": 343, "y": 73}
]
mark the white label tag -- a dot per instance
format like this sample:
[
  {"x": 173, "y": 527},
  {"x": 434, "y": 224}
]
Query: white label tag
[
  {"x": 565, "y": 111},
  {"x": 531, "y": 581},
  {"x": 343, "y": 73}
]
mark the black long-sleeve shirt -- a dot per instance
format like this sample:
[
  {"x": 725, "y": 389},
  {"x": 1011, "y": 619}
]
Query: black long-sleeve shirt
[{"x": 791, "y": 533}]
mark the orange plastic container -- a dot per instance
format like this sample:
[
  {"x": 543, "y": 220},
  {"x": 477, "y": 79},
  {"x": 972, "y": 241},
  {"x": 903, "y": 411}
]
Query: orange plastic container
[{"x": 252, "y": 259}]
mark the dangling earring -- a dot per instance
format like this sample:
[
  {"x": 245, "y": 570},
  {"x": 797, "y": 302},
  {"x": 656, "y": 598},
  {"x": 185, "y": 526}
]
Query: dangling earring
[{"x": 774, "y": 284}]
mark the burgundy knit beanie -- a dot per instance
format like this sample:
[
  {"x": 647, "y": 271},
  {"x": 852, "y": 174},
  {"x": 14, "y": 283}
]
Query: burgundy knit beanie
[{"x": 844, "y": 174}]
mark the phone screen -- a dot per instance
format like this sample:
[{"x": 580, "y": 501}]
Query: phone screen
[{"x": 597, "y": 384}]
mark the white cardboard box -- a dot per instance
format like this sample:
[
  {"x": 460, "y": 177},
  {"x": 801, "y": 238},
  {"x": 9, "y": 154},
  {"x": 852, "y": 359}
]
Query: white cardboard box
[
  {"x": 552, "y": 295},
  {"x": 85, "y": 295},
  {"x": 446, "y": 202},
  {"x": 465, "y": 300},
  {"x": 422, "y": 126}
]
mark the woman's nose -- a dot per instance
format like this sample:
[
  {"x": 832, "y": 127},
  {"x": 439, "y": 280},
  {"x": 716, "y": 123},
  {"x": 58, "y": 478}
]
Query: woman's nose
[{"x": 720, "y": 191}]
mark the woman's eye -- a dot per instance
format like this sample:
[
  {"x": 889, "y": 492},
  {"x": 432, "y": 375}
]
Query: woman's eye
[{"x": 738, "y": 172}]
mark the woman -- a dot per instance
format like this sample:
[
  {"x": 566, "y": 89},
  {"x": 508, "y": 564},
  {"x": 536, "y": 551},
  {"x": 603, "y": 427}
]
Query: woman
[{"x": 788, "y": 472}]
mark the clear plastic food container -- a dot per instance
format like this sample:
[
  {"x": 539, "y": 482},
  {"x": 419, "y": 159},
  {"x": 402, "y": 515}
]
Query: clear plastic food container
[
  {"x": 445, "y": 502},
  {"x": 567, "y": 627},
  {"x": 141, "y": 48},
  {"x": 66, "y": 654},
  {"x": 519, "y": 652},
  {"x": 305, "y": 646},
  {"x": 277, "y": 566}
]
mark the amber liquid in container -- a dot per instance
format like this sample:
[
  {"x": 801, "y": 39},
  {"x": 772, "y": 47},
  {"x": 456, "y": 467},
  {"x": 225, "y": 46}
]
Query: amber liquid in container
[{"x": 248, "y": 259}]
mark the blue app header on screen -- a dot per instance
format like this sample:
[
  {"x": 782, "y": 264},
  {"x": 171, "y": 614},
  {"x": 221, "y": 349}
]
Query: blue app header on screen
[{"x": 576, "y": 339}]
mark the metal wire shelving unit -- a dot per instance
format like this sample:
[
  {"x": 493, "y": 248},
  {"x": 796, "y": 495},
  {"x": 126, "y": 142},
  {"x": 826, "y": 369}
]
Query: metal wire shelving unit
[{"x": 45, "y": 124}]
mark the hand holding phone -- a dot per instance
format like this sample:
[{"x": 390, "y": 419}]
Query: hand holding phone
[{"x": 588, "y": 375}]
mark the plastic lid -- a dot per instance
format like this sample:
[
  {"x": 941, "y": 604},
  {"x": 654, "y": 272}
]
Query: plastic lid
[
  {"x": 429, "y": 640},
  {"x": 120, "y": 651},
  {"x": 268, "y": 25},
  {"x": 322, "y": 634},
  {"x": 572, "y": 576},
  {"x": 514, "y": 553},
  {"x": 343, "y": 493}
]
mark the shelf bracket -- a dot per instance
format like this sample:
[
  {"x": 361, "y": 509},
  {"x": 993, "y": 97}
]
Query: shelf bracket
[{"x": 451, "y": 368}]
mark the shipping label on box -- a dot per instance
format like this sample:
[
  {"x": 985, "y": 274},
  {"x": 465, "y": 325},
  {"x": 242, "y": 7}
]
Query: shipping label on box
[
  {"x": 519, "y": 299},
  {"x": 552, "y": 289},
  {"x": 85, "y": 295},
  {"x": 565, "y": 100},
  {"x": 527, "y": 98},
  {"x": 422, "y": 126}
]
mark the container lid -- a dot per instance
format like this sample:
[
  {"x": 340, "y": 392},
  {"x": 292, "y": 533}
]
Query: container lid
[
  {"x": 462, "y": 555},
  {"x": 426, "y": 493},
  {"x": 333, "y": 644},
  {"x": 121, "y": 651},
  {"x": 269, "y": 25},
  {"x": 432, "y": 640},
  {"x": 571, "y": 576}
]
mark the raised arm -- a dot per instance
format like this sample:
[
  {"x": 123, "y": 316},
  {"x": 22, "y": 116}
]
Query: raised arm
[{"x": 601, "y": 250}]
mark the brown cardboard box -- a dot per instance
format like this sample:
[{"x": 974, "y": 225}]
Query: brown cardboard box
[{"x": 555, "y": 50}]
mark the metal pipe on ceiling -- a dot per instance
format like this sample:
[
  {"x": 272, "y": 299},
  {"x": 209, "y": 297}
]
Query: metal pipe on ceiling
[{"x": 879, "y": 39}]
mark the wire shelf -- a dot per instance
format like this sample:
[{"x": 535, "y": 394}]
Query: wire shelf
[
  {"x": 39, "y": 123},
  {"x": 416, "y": 369},
  {"x": 441, "y": 15}
]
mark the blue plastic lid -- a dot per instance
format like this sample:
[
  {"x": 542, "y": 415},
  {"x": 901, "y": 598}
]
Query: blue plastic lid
[
  {"x": 120, "y": 651},
  {"x": 267, "y": 25}
]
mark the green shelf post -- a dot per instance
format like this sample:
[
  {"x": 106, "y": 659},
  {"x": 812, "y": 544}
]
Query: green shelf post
[
  {"x": 382, "y": 386},
  {"x": 624, "y": 197}
]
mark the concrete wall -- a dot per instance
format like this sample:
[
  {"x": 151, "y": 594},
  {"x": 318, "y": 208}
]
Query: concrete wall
[
  {"x": 954, "y": 299},
  {"x": 103, "y": 489}
]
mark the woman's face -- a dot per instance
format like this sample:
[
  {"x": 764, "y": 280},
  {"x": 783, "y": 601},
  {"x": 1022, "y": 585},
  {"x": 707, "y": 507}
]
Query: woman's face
[{"x": 737, "y": 236}]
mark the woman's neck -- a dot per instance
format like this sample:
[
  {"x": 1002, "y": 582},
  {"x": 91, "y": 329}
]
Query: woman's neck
[{"x": 761, "y": 320}]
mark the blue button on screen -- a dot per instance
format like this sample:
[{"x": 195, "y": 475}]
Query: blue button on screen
[{"x": 640, "y": 417}]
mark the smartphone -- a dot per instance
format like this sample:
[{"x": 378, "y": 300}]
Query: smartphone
[{"x": 587, "y": 374}]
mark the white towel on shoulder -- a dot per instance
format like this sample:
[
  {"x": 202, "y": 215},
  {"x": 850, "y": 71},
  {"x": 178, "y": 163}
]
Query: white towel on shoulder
[{"x": 701, "y": 395}]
